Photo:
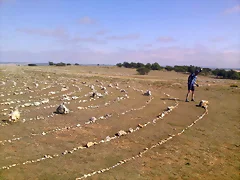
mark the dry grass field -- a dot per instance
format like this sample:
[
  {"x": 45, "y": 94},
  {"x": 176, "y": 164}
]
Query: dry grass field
[{"x": 45, "y": 145}]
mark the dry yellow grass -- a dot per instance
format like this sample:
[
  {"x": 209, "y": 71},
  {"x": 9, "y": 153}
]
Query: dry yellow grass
[{"x": 208, "y": 150}]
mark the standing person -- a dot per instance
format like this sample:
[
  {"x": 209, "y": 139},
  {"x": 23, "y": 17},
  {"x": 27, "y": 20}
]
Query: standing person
[{"x": 192, "y": 78}]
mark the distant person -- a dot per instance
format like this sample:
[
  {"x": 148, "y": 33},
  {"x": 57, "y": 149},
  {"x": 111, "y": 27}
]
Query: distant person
[{"x": 192, "y": 78}]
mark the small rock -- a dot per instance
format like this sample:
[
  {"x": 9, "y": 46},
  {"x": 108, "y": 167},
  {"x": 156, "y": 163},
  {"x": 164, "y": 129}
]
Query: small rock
[
  {"x": 89, "y": 144},
  {"x": 170, "y": 108},
  {"x": 123, "y": 90},
  {"x": 148, "y": 93},
  {"x": 93, "y": 119},
  {"x": 27, "y": 104},
  {"x": 130, "y": 130},
  {"x": 121, "y": 133},
  {"x": 107, "y": 138},
  {"x": 36, "y": 103},
  {"x": 64, "y": 89}
]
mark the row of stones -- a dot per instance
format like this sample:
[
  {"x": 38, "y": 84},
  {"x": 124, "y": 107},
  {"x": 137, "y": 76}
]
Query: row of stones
[
  {"x": 74, "y": 97},
  {"x": 91, "y": 120},
  {"x": 28, "y": 103},
  {"x": 139, "y": 155},
  {"x": 89, "y": 144},
  {"x": 44, "y": 102},
  {"x": 65, "y": 97},
  {"x": 24, "y": 88},
  {"x": 64, "y": 88}
]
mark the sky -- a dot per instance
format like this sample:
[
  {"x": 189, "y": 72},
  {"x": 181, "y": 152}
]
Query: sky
[{"x": 170, "y": 32}]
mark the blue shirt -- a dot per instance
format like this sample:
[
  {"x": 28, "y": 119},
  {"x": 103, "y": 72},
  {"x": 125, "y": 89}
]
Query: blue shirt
[{"x": 192, "y": 78}]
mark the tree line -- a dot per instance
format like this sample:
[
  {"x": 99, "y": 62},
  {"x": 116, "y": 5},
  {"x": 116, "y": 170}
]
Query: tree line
[
  {"x": 144, "y": 69},
  {"x": 61, "y": 64}
]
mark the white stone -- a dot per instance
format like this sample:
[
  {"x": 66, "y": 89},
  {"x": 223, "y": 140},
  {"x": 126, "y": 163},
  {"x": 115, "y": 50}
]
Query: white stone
[{"x": 121, "y": 133}]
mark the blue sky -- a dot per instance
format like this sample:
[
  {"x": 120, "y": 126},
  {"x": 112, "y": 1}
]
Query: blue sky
[{"x": 170, "y": 32}]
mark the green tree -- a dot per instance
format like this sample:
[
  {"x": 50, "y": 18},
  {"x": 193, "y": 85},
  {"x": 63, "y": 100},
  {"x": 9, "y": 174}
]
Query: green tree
[
  {"x": 232, "y": 74},
  {"x": 148, "y": 65},
  {"x": 140, "y": 65},
  {"x": 206, "y": 71},
  {"x": 156, "y": 66},
  {"x": 61, "y": 64},
  {"x": 169, "y": 68},
  {"x": 133, "y": 65},
  {"x": 32, "y": 65},
  {"x": 222, "y": 73},
  {"x": 191, "y": 69},
  {"x": 126, "y": 65},
  {"x": 143, "y": 70},
  {"x": 181, "y": 68},
  {"x": 50, "y": 63},
  {"x": 119, "y": 64}
]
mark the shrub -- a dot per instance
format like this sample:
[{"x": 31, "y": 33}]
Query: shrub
[
  {"x": 76, "y": 64},
  {"x": 140, "y": 65},
  {"x": 68, "y": 64},
  {"x": 143, "y": 70},
  {"x": 119, "y": 64},
  {"x": 232, "y": 75},
  {"x": 233, "y": 85},
  {"x": 50, "y": 63},
  {"x": 32, "y": 65},
  {"x": 181, "y": 68},
  {"x": 148, "y": 65},
  {"x": 126, "y": 65},
  {"x": 61, "y": 64},
  {"x": 156, "y": 66},
  {"x": 169, "y": 68},
  {"x": 133, "y": 65}
]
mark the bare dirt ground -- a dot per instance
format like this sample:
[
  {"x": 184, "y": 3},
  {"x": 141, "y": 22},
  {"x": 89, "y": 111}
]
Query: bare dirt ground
[{"x": 43, "y": 145}]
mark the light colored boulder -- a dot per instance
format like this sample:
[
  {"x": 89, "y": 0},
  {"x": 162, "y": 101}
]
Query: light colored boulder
[
  {"x": 92, "y": 119},
  {"x": 89, "y": 144},
  {"x": 121, "y": 133},
  {"x": 64, "y": 89},
  {"x": 14, "y": 115},
  {"x": 204, "y": 104},
  {"x": 44, "y": 101},
  {"x": 36, "y": 103},
  {"x": 170, "y": 108},
  {"x": 28, "y": 104}
]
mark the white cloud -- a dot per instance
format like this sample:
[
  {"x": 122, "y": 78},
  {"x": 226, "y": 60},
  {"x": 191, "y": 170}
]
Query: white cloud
[
  {"x": 235, "y": 9},
  {"x": 57, "y": 32},
  {"x": 125, "y": 37},
  {"x": 101, "y": 32},
  {"x": 218, "y": 39},
  {"x": 86, "y": 20},
  {"x": 61, "y": 35},
  {"x": 165, "y": 39},
  {"x": 84, "y": 39},
  {"x": 6, "y": 1}
]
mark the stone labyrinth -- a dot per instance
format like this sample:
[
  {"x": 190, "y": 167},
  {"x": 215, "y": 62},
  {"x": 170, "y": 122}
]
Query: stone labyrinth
[{"x": 103, "y": 113}]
